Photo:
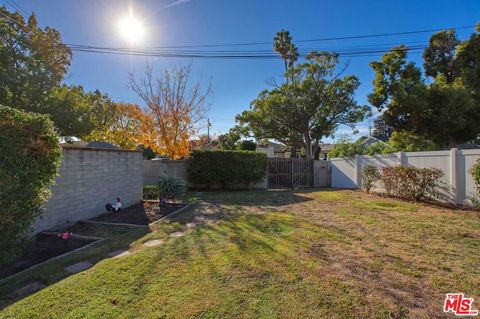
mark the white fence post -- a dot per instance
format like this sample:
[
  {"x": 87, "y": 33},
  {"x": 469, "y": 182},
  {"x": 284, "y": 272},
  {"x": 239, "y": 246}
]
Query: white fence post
[
  {"x": 358, "y": 170},
  {"x": 402, "y": 159},
  {"x": 453, "y": 174}
]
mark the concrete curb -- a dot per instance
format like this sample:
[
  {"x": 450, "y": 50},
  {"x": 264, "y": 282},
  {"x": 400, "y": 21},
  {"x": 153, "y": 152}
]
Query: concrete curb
[
  {"x": 112, "y": 224},
  {"x": 97, "y": 240},
  {"x": 175, "y": 212}
]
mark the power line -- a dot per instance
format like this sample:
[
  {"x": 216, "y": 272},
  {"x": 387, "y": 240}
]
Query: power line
[
  {"x": 17, "y": 7},
  {"x": 161, "y": 52},
  {"x": 319, "y": 39},
  {"x": 209, "y": 55}
]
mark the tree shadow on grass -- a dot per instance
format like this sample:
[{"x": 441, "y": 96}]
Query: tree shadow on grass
[
  {"x": 52, "y": 271},
  {"x": 257, "y": 197}
]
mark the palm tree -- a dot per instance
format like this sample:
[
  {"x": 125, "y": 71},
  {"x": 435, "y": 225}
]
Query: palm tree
[
  {"x": 282, "y": 44},
  {"x": 292, "y": 54}
]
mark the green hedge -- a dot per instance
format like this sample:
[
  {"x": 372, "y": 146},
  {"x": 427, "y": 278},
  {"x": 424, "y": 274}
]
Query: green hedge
[
  {"x": 29, "y": 158},
  {"x": 226, "y": 168},
  {"x": 150, "y": 192}
]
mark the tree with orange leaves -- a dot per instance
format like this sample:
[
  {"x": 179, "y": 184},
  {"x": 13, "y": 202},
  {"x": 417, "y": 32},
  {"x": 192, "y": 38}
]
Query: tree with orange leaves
[
  {"x": 174, "y": 107},
  {"x": 125, "y": 125}
]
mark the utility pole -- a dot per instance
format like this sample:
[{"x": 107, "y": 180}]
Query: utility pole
[{"x": 208, "y": 129}]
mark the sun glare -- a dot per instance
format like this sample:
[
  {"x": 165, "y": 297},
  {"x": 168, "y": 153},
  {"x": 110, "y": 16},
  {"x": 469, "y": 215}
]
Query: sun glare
[{"x": 131, "y": 28}]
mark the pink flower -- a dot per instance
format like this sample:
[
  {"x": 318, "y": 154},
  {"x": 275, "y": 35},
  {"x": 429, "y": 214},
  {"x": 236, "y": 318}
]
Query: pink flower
[{"x": 65, "y": 235}]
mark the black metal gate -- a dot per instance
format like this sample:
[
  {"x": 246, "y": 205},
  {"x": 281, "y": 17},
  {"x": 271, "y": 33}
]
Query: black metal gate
[{"x": 290, "y": 172}]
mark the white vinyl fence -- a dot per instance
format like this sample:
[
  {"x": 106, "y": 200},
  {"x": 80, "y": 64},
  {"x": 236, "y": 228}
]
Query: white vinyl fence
[{"x": 457, "y": 184}]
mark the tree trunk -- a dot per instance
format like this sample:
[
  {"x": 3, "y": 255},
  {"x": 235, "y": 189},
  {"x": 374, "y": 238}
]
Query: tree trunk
[{"x": 308, "y": 146}]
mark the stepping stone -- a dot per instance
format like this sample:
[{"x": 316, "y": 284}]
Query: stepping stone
[
  {"x": 119, "y": 253},
  {"x": 28, "y": 289},
  {"x": 177, "y": 234},
  {"x": 78, "y": 267},
  {"x": 153, "y": 243},
  {"x": 191, "y": 225}
]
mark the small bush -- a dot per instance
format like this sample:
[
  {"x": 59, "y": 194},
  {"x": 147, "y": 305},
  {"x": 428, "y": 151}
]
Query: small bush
[
  {"x": 150, "y": 192},
  {"x": 226, "y": 168},
  {"x": 410, "y": 182},
  {"x": 29, "y": 158},
  {"x": 171, "y": 188},
  {"x": 476, "y": 179},
  {"x": 476, "y": 174},
  {"x": 370, "y": 174}
]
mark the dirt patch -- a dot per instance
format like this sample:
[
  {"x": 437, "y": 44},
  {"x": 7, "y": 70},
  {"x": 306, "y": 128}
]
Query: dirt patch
[
  {"x": 142, "y": 213},
  {"x": 40, "y": 249}
]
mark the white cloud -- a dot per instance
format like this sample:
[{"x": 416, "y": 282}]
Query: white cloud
[{"x": 176, "y": 3}]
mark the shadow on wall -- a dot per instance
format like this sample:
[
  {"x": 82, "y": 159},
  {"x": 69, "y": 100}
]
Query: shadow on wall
[{"x": 343, "y": 173}]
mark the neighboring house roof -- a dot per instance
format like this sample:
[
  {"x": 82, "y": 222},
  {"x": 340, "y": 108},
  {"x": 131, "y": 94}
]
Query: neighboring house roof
[
  {"x": 90, "y": 145},
  {"x": 372, "y": 140},
  {"x": 101, "y": 145},
  {"x": 277, "y": 147},
  {"x": 467, "y": 146},
  {"x": 326, "y": 147}
]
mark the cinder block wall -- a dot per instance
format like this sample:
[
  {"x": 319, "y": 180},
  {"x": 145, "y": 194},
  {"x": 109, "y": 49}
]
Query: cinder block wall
[
  {"x": 87, "y": 180},
  {"x": 152, "y": 170}
]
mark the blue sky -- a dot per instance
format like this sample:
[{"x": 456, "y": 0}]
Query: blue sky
[{"x": 236, "y": 83}]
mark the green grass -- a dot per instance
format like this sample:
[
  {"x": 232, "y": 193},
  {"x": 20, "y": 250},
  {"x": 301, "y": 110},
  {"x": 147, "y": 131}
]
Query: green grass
[
  {"x": 383, "y": 205},
  {"x": 331, "y": 196},
  {"x": 277, "y": 255}
]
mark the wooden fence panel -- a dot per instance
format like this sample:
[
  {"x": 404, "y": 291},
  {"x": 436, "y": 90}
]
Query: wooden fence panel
[{"x": 290, "y": 172}]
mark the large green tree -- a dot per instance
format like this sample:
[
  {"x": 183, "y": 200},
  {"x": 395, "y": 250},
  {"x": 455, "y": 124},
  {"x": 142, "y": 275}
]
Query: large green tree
[
  {"x": 33, "y": 61},
  {"x": 311, "y": 106},
  {"x": 443, "y": 102},
  {"x": 381, "y": 130},
  {"x": 33, "y": 64},
  {"x": 76, "y": 112}
]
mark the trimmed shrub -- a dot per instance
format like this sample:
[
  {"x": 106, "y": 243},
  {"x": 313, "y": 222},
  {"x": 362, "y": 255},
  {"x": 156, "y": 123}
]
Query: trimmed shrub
[
  {"x": 411, "y": 183},
  {"x": 370, "y": 174},
  {"x": 476, "y": 179},
  {"x": 29, "y": 158},
  {"x": 226, "y": 168},
  {"x": 150, "y": 192},
  {"x": 170, "y": 188},
  {"x": 476, "y": 174}
]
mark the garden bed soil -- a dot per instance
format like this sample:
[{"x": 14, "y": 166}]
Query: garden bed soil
[
  {"x": 142, "y": 213},
  {"x": 41, "y": 248}
]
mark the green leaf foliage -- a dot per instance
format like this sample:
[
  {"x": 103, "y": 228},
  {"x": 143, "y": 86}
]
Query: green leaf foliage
[
  {"x": 246, "y": 145},
  {"x": 347, "y": 148},
  {"x": 29, "y": 158},
  {"x": 407, "y": 142},
  {"x": 228, "y": 141},
  {"x": 150, "y": 192},
  {"x": 476, "y": 174},
  {"x": 226, "y": 168},
  {"x": 411, "y": 183},
  {"x": 370, "y": 174},
  {"x": 442, "y": 104},
  {"x": 171, "y": 187},
  {"x": 379, "y": 148},
  {"x": 309, "y": 106}
]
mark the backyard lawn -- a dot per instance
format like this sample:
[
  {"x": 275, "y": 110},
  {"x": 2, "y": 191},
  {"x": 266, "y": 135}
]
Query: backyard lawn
[{"x": 269, "y": 254}]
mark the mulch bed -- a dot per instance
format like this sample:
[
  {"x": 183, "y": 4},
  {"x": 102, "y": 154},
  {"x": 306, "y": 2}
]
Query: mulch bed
[
  {"x": 41, "y": 248},
  {"x": 142, "y": 213}
]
